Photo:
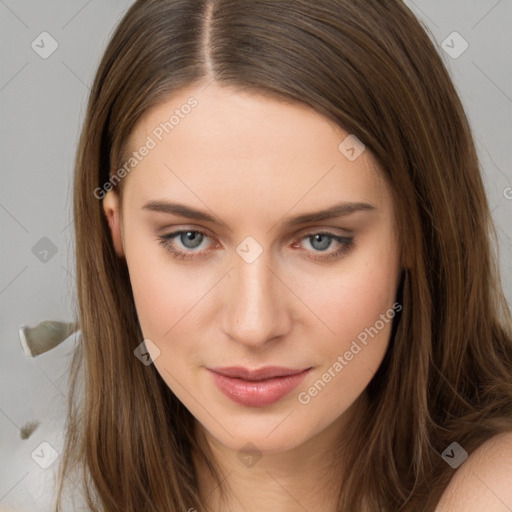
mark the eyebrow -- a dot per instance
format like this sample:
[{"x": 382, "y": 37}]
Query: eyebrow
[{"x": 337, "y": 210}]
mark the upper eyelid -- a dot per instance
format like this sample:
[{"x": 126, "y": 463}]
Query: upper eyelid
[{"x": 301, "y": 233}]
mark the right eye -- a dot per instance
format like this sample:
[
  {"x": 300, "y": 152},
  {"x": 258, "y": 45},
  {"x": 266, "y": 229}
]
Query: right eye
[{"x": 190, "y": 239}]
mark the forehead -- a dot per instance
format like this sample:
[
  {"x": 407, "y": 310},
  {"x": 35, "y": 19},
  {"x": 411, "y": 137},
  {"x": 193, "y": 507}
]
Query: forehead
[{"x": 247, "y": 147}]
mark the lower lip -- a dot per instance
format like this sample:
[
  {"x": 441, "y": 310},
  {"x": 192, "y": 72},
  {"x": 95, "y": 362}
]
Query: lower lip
[{"x": 257, "y": 393}]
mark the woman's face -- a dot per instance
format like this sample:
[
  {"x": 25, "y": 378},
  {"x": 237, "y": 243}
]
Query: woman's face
[{"x": 259, "y": 276}]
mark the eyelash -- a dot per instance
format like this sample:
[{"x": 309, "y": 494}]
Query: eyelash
[{"x": 347, "y": 244}]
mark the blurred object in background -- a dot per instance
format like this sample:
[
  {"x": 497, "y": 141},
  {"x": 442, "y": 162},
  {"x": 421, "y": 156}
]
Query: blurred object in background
[{"x": 44, "y": 336}]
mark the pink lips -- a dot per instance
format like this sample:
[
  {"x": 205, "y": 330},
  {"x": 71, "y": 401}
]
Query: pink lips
[{"x": 257, "y": 388}]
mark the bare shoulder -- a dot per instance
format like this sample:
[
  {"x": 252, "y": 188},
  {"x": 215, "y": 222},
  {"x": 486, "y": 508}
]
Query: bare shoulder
[{"x": 483, "y": 481}]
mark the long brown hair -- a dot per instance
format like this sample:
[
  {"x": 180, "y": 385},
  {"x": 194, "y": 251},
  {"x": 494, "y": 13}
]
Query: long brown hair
[{"x": 371, "y": 67}]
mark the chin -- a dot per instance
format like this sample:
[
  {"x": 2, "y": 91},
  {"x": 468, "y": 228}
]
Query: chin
[{"x": 270, "y": 436}]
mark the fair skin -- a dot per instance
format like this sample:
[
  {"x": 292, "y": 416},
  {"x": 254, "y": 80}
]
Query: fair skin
[
  {"x": 483, "y": 481},
  {"x": 253, "y": 164}
]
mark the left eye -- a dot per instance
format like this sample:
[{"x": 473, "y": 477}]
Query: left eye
[
  {"x": 320, "y": 241},
  {"x": 191, "y": 239}
]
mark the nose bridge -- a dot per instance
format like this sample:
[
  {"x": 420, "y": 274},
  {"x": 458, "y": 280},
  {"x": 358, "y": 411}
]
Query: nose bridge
[{"x": 255, "y": 311}]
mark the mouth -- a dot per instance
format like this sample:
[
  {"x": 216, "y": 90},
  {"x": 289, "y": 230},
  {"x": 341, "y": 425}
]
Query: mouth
[{"x": 258, "y": 387}]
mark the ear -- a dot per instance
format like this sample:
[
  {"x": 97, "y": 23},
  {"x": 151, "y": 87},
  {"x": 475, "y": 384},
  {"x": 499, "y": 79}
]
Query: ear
[{"x": 111, "y": 210}]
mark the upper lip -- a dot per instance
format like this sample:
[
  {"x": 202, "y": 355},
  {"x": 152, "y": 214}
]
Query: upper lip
[{"x": 266, "y": 372}]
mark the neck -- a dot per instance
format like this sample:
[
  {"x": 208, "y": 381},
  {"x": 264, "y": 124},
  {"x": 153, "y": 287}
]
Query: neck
[{"x": 307, "y": 477}]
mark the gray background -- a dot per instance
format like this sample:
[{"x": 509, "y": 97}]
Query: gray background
[{"x": 42, "y": 107}]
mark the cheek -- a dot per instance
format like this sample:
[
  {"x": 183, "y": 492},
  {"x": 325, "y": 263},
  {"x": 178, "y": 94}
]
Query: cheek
[
  {"x": 168, "y": 300},
  {"x": 359, "y": 307},
  {"x": 351, "y": 298},
  {"x": 164, "y": 293}
]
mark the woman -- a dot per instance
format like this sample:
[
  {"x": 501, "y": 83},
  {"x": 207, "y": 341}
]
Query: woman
[{"x": 279, "y": 205}]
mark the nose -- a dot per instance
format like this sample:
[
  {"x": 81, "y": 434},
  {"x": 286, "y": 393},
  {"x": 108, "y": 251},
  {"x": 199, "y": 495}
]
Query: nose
[{"x": 255, "y": 312}]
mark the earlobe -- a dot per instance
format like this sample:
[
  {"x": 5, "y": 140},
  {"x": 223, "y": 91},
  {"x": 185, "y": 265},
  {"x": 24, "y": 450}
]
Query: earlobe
[{"x": 111, "y": 210}]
